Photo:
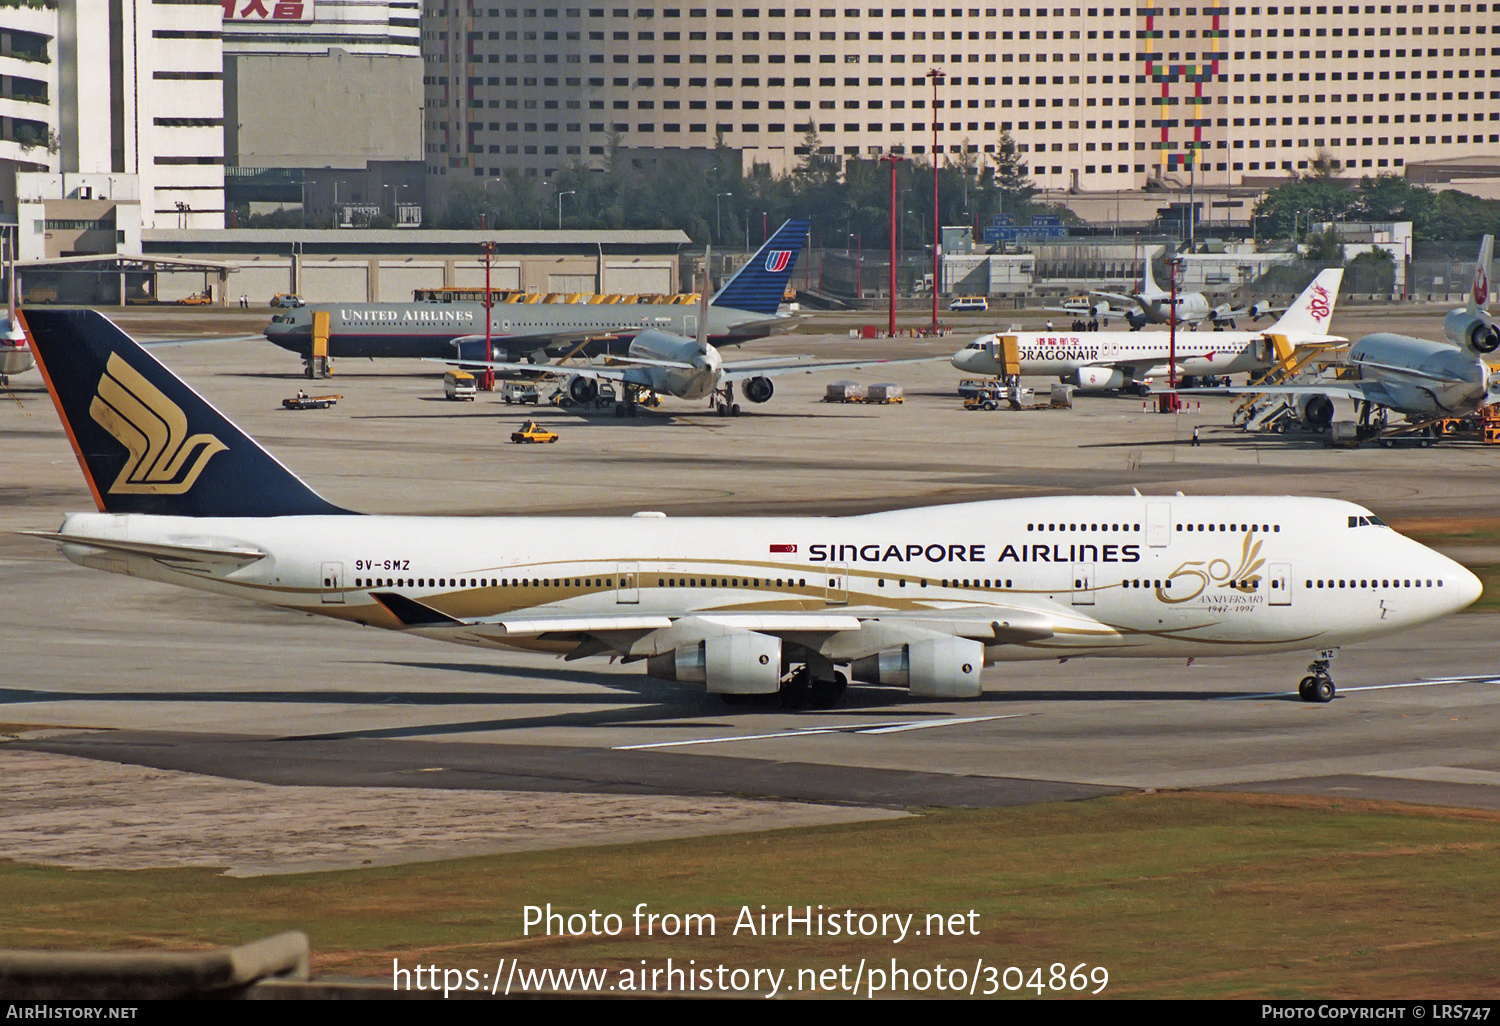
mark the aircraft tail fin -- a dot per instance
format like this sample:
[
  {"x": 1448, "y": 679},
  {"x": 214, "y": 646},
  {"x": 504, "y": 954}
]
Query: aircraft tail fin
[
  {"x": 759, "y": 285},
  {"x": 1312, "y": 312},
  {"x": 1479, "y": 294},
  {"x": 703, "y": 298},
  {"x": 147, "y": 442},
  {"x": 1149, "y": 288}
]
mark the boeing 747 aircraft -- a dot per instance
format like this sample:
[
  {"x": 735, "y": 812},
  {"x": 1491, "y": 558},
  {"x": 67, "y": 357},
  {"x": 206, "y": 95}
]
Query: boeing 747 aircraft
[
  {"x": 1120, "y": 359},
  {"x": 744, "y": 308},
  {"x": 918, "y": 598}
]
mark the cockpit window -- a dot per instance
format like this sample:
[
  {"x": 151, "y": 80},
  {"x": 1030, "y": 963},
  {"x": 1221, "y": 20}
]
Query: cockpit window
[{"x": 1370, "y": 521}]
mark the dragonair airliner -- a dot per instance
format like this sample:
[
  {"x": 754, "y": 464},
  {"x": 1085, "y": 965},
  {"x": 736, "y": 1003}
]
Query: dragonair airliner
[
  {"x": 744, "y": 308},
  {"x": 919, "y": 598},
  {"x": 1126, "y": 360}
]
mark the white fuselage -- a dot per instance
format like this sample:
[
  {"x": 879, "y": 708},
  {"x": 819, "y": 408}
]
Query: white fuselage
[
  {"x": 1138, "y": 354},
  {"x": 1422, "y": 379},
  {"x": 692, "y": 382},
  {"x": 1114, "y": 575}
]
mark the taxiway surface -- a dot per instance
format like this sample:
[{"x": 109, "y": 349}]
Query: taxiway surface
[{"x": 139, "y": 673}]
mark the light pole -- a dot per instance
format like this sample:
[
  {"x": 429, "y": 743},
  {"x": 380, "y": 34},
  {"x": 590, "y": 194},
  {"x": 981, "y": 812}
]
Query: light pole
[
  {"x": 893, "y": 161},
  {"x": 859, "y": 264},
  {"x": 565, "y": 192},
  {"x": 937, "y": 231},
  {"x": 719, "y": 217}
]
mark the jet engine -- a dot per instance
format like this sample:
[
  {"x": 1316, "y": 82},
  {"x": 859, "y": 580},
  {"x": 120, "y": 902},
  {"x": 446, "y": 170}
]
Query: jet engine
[
  {"x": 758, "y": 390},
  {"x": 1260, "y": 308},
  {"x": 1101, "y": 377},
  {"x": 583, "y": 390},
  {"x": 1221, "y": 315},
  {"x": 1476, "y": 332},
  {"x": 934, "y": 668},
  {"x": 473, "y": 348},
  {"x": 1315, "y": 410},
  {"x": 1135, "y": 319},
  {"x": 739, "y": 663}
]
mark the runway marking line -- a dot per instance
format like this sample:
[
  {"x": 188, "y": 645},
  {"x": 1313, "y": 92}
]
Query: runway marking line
[
  {"x": 844, "y": 728},
  {"x": 1481, "y": 679}
]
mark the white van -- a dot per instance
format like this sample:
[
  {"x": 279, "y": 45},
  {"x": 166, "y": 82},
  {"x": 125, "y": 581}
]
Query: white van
[
  {"x": 969, "y": 303},
  {"x": 460, "y": 385},
  {"x": 520, "y": 392}
]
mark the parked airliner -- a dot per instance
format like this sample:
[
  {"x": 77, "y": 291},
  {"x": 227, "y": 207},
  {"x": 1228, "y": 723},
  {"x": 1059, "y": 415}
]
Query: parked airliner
[
  {"x": 920, "y": 598},
  {"x": 665, "y": 363},
  {"x": 1153, "y": 305},
  {"x": 744, "y": 308},
  {"x": 1120, "y": 359},
  {"x": 1421, "y": 380}
]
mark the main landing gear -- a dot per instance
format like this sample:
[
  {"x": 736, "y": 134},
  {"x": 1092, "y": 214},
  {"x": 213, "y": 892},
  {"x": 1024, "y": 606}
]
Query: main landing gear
[
  {"x": 1317, "y": 686},
  {"x": 627, "y": 408},
  {"x": 800, "y": 690},
  {"x": 723, "y": 400}
]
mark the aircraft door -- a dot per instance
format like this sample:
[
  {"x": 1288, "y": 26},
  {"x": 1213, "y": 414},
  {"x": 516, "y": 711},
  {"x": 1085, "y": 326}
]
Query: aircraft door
[
  {"x": 333, "y": 584},
  {"x": 837, "y": 593},
  {"x": 628, "y": 585},
  {"x": 1083, "y": 584},
  {"x": 1158, "y": 524},
  {"x": 1279, "y": 584}
]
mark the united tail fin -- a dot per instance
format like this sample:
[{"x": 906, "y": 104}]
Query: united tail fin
[
  {"x": 759, "y": 285},
  {"x": 147, "y": 442},
  {"x": 1313, "y": 310}
]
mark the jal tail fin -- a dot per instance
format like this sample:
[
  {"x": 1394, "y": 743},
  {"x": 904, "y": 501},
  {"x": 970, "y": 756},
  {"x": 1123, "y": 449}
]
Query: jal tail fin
[
  {"x": 1479, "y": 294},
  {"x": 146, "y": 441},
  {"x": 758, "y": 286},
  {"x": 1313, "y": 310}
]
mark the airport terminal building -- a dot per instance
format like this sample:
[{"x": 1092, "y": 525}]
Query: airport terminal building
[{"x": 1096, "y": 98}]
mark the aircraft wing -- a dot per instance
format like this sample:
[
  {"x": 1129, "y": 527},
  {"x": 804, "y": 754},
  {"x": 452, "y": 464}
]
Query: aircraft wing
[
  {"x": 634, "y": 375},
  {"x": 742, "y": 371},
  {"x": 531, "y": 341},
  {"x": 1116, "y": 297},
  {"x": 1364, "y": 391},
  {"x": 851, "y": 633}
]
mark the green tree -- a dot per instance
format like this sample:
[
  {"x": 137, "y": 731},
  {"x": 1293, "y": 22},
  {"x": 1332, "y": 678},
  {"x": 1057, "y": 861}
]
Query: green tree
[{"x": 1325, "y": 248}]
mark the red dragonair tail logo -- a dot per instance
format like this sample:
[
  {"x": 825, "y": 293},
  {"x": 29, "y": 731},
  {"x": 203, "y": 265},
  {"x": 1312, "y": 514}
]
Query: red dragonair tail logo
[
  {"x": 1318, "y": 304},
  {"x": 1481, "y": 286},
  {"x": 777, "y": 259}
]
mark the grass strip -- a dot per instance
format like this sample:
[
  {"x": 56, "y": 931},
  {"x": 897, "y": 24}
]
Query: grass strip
[{"x": 1176, "y": 894}]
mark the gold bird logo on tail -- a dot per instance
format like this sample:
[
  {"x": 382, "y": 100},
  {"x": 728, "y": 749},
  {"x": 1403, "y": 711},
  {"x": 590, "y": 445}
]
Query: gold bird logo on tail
[{"x": 154, "y": 430}]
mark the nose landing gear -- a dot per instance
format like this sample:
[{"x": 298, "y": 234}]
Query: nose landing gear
[{"x": 1317, "y": 686}]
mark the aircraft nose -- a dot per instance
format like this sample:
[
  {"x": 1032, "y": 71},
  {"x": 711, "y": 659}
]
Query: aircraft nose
[
  {"x": 961, "y": 359},
  {"x": 1466, "y": 587}
]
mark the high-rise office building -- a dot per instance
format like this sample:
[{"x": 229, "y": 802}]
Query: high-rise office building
[{"x": 1094, "y": 98}]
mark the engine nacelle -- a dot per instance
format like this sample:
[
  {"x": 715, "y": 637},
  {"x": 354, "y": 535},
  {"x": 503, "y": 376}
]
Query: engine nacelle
[
  {"x": 757, "y": 390},
  {"x": 1259, "y": 309},
  {"x": 474, "y": 348},
  {"x": 934, "y": 668},
  {"x": 739, "y": 663},
  {"x": 1475, "y": 332},
  {"x": 1100, "y": 377},
  {"x": 1315, "y": 410},
  {"x": 1135, "y": 319},
  {"x": 583, "y": 390}
]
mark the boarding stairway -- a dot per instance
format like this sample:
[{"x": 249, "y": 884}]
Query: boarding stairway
[{"x": 1295, "y": 365}]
